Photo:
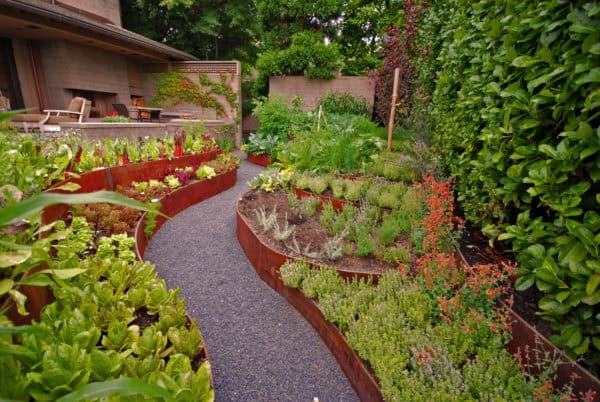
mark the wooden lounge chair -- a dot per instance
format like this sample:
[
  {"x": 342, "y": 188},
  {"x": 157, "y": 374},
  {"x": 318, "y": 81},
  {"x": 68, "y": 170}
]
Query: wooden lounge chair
[
  {"x": 28, "y": 121},
  {"x": 77, "y": 112}
]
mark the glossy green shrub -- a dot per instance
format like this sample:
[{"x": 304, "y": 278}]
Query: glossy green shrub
[{"x": 515, "y": 110}]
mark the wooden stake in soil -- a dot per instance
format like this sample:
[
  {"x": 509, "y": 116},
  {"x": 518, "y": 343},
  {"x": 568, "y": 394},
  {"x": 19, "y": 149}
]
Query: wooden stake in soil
[{"x": 393, "y": 108}]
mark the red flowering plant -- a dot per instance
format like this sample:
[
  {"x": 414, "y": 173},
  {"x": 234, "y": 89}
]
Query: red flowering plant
[
  {"x": 439, "y": 225},
  {"x": 465, "y": 294}
]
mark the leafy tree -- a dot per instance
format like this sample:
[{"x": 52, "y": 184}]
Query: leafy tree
[
  {"x": 357, "y": 27},
  {"x": 208, "y": 29}
]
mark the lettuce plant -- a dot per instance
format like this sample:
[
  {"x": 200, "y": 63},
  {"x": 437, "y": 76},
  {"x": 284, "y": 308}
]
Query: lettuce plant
[
  {"x": 205, "y": 172},
  {"x": 63, "y": 368},
  {"x": 120, "y": 336},
  {"x": 185, "y": 341}
]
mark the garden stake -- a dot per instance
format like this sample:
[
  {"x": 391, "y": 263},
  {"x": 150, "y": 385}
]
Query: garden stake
[{"x": 393, "y": 110}]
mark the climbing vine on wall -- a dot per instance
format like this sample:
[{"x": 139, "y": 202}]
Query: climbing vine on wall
[
  {"x": 175, "y": 87},
  {"x": 220, "y": 88}
]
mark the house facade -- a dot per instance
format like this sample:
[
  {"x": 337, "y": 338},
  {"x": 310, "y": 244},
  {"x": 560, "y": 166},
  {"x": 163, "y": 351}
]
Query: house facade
[{"x": 51, "y": 51}]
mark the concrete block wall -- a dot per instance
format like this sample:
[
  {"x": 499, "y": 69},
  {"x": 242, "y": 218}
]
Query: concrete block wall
[
  {"x": 311, "y": 91},
  {"x": 70, "y": 66}
]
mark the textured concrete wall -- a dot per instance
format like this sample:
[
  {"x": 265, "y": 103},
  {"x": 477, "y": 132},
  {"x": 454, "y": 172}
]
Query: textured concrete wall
[
  {"x": 70, "y": 66},
  {"x": 313, "y": 90},
  {"x": 109, "y": 9},
  {"x": 135, "y": 77}
]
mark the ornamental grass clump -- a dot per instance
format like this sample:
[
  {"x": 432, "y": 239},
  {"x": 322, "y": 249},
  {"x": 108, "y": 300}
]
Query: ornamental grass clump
[
  {"x": 318, "y": 184},
  {"x": 355, "y": 189}
]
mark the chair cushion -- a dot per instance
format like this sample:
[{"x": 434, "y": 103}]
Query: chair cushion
[
  {"x": 28, "y": 118},
  {"x": 61, "y": 119},
  {"x": 76, "y": 105}
]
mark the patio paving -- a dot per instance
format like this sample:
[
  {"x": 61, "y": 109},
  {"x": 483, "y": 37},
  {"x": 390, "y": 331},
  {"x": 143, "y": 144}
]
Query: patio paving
[{"x": 260, "y": 348}]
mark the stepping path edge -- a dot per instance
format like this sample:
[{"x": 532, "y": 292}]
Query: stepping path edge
[
  {"x": 261, "y": 348},
  {"x": 267, "y": 262}
]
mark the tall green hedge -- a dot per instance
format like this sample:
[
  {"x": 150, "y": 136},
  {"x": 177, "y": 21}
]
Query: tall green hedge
[{"x": 515, "y": 107}]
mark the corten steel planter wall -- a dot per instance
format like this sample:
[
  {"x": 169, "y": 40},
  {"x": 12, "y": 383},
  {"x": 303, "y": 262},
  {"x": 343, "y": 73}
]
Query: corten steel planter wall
[
  {"x": 110, "y": 178},
  {"x": 527, "y": 338},
  {"x": 180, "y": 199},
  {"x": 267, "y": 262},
  {"x": 37, "y": 298},
  {"x": 261, "y": 160}
]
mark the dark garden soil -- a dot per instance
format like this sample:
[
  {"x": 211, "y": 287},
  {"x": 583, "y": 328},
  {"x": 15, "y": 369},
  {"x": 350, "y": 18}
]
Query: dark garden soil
[
  {"x": 476, "y": 250},
  {"x": 308, "y": 232},
  {"x": 143, "y": 319}
]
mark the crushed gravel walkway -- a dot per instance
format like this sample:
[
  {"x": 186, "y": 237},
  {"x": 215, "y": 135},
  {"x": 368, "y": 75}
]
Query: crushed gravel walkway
[{"x": 260, "y": 348}]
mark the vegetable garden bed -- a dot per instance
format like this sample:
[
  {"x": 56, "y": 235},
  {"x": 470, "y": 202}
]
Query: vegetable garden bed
[
  {"x": 267, "y": 261},
  {"x": 145, "y": 319},
  {"x": 307, "y": 237}
]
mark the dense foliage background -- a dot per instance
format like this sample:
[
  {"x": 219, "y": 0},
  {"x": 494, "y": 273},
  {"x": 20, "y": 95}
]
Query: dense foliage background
[
  {"x": 515, "y": 112},
  {"x": 208, "y": 29}
]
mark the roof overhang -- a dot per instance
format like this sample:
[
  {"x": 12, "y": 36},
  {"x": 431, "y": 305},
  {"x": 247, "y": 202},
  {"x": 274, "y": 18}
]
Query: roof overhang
[{"x": 37, "y": 19}]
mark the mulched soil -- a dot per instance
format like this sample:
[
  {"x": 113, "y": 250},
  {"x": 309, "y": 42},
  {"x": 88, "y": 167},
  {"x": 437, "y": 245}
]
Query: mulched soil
[{"x": 308, "y": 232}]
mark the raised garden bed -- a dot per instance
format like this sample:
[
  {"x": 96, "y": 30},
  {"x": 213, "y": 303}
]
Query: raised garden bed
[
  {"x": 171, "y": 204},
  {"x": 267, "y": 260},
  {"x": 261, "y": 160},
  {"x": 180, "y": 199},
  {"x": 308, "y": 234},
  {"x": 110, "y": 178},
  {"x": 103, "y": 179}
]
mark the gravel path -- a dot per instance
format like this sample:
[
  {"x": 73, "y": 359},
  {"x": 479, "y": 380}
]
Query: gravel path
[{"x": 261, "y": 349}]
